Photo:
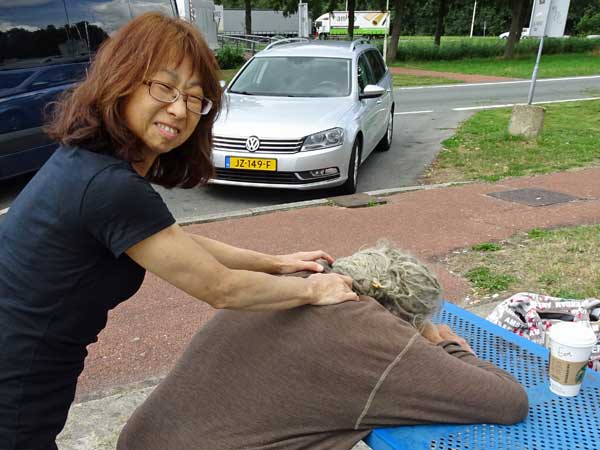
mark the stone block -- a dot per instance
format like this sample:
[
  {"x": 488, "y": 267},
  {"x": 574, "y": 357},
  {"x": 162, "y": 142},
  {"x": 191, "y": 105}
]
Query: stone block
[{"x": 526, "y": 121}]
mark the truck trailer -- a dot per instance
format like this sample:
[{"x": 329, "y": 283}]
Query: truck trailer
[
  {"x": 366, "y": 23},
  {"x": 265, "y": 22}
]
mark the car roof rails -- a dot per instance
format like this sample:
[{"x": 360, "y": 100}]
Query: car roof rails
[
  {"x": 357, "y": 42},
  {"x": 286, "y": 41}
]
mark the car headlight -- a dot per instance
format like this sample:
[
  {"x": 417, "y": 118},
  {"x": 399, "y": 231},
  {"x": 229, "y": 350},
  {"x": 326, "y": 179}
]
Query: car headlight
[{"x": 324, "y": 139}]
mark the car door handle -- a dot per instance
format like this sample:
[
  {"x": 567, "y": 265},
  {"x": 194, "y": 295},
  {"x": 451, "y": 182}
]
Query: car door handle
[{"x": 379, "y": 102}]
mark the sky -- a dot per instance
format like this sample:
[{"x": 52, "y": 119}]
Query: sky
[{"x": 107, "y": 14}]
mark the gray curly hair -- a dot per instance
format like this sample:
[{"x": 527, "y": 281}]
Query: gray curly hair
[{"x": 397, "y": 280}]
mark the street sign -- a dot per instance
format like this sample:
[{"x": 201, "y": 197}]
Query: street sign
[{"x": 557, "y": 18}]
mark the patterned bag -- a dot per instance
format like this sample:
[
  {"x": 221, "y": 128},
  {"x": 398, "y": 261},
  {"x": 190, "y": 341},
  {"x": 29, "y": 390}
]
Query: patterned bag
[{"x": 531, "y": 316}]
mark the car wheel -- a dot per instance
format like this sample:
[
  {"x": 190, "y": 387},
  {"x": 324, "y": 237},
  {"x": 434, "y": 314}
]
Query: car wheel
[
  {"x": 386, "y": 141},
  {"x": 349, "y": 187}
]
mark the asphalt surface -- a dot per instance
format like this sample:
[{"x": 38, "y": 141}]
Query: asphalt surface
[{"x": 440, "y": 99}]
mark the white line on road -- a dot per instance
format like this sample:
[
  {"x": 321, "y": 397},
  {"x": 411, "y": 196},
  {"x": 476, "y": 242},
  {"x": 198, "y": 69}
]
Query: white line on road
[
  {"x": 492, "y": 83},
  {"x": 411, "y": 112},
  {"x": 3, "y": 211},
  {"x": 508, "y": 105}
]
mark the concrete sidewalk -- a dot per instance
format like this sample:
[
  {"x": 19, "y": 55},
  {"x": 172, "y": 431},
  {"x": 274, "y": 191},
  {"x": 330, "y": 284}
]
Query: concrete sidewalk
[{"x": 146, "y": 334}]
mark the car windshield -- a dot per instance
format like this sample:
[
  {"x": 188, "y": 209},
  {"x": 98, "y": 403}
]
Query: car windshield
[{"x": 295, "y": 76}]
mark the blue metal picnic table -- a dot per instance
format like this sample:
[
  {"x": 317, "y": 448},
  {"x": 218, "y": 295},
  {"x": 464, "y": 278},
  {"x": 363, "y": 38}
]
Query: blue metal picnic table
[{"x": 553, "y": 423}]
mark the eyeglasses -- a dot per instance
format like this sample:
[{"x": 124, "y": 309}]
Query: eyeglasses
[{"x": 166, "y": 93}]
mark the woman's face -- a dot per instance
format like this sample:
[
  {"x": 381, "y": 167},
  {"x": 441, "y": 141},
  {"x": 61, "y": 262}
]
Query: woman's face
[{"x": 163, "y": 126}]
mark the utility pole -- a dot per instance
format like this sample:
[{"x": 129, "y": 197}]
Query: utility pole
[{"x": 473, "y": 20}]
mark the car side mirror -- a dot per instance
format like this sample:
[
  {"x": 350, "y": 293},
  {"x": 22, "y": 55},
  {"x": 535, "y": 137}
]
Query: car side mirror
[
  {"x": 223, "y": 84},
  {"x": 372, "y": 91}
]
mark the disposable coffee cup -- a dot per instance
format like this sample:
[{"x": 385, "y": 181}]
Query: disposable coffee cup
[{"x": 571, "y": 345}]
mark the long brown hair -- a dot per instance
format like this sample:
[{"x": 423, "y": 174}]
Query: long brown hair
[{"x": 91, "y": 115}]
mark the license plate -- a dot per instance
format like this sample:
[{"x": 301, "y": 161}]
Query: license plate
[{"x": 233, "y": 162}]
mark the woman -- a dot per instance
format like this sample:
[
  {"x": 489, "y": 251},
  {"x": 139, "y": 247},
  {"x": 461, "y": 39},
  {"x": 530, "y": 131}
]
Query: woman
[{"x": 78, "y": 239}]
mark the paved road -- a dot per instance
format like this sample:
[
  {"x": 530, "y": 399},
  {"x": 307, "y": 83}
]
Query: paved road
[
  {"x": 425, "y": 116},
  {"x": 471, "y": 97}
]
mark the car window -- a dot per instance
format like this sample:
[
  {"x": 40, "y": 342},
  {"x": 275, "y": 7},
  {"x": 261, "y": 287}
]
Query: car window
[
  {"x": 61, "y": 74},
  {"x": 13, "y": 79},
  {"x": 365, "y": 74},
  {"x": 376, "y": 63},
  {"x": 42, "y": 32},
  {"x": 295, "y": 76}
]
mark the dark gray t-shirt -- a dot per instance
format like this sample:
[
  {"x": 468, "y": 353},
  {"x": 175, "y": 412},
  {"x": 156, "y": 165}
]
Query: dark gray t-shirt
[{"x": 62, "y": 268}]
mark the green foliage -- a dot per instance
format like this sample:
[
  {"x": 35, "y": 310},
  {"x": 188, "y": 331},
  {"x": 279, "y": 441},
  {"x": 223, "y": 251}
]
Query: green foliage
[
  {"x": 454, "y": 49},
  {"x": 560, "y": 65},
  {"x": 230, "y": 57},
  {"x": 589, "y": 24},
  {"x": 487, "y": 247},
  {"x": 484, "y": 278}
]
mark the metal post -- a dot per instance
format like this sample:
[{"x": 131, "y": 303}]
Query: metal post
[
  {"x": 473, "y": 20},
  {"x": 539, "y": 56}
]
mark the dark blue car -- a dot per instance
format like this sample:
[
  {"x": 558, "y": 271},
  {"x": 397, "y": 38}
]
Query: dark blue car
[
  {"x": 45, "y": 48},
  {"x": 24, "y": 94}
]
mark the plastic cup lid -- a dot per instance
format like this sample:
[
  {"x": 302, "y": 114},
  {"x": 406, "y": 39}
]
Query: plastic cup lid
[{"x": 572, "y": 333}]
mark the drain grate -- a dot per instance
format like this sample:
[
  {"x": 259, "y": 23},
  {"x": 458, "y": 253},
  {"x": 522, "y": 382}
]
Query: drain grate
[{"x": 534, "y": 197}]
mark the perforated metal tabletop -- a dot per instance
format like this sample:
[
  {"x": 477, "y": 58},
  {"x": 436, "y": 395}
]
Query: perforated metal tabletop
[{"x": 553, "y": 423}]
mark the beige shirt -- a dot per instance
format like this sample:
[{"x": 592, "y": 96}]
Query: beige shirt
[{"x": 315, "y": 378}]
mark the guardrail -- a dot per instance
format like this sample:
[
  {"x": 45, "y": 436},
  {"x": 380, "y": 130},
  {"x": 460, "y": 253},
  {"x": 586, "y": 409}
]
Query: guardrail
[{"x": 248, "y": 42}]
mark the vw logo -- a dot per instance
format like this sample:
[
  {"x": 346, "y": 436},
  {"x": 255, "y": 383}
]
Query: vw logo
[{"x": 252, "y": 143}]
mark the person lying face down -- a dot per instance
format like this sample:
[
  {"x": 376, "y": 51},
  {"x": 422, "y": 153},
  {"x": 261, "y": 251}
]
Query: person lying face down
[{"x": 322, "y": 378}]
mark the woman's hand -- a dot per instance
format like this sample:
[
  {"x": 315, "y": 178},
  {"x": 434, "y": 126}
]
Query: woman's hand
[
  {"x": 332, "y": 288},
  {"x": 297, "y": 262}
]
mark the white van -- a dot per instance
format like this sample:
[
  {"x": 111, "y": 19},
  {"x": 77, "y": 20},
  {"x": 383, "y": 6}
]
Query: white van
[{"x": 524, "y": 34}]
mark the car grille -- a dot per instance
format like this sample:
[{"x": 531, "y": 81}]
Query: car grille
[
  {"x": 258, "y": 176},
  {"x": 266, "y": 145}
]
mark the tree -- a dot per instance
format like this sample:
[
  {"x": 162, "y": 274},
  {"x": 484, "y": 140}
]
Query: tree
[
  {"x": 248, "y": 7},
  {"x": 351, "y": 9},
  {"x": 399, "y": 7},
  {"x": 589, "y": 24},
  {"x": 443, "y": 8},
  {"x": 516, "y": 20}
]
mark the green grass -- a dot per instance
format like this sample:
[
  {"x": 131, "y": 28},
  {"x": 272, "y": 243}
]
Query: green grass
[
  {"x": 413, "y": 80},
  {"x": 228, "y": 74},
  {"x": 487, "y": 247},
  {"x": 563, "y": 262},
  {"x": 482, "y": 149},
  {"x": 565, "y": 65},
  {"x": 489, "y": 280}
]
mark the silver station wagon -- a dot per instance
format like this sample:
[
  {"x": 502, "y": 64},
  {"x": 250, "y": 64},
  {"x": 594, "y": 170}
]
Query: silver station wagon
[{"x": 304, "y": 115}]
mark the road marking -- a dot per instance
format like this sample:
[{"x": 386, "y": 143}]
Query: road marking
[
  {"x": 492, "y": 83},
  {"x": 3, "y": 211},
  {"x": 411, "y": 112},
  {"x": 508, "y": 105}
]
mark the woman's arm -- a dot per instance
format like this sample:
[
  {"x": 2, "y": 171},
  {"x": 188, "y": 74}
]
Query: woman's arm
[
  {"x": 238, "y": 258},
  {"x": 174, "y": 256}
]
